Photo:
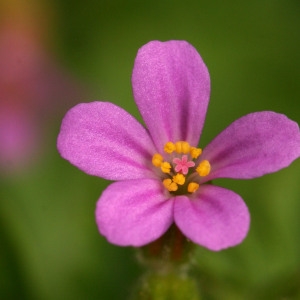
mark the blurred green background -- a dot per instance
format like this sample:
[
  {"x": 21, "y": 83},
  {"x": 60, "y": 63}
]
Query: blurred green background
[{"x": 49, "y": 244}]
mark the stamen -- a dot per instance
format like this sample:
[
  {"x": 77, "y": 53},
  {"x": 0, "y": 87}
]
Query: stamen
[
  {"x": 185, "y": 147},
  {"x": 179, "y": 179},
  {"x": 165, "y": 167},
  {"x": 157, "y": 159},
  {"x": 182, "y": 147},
  {"x": 192, "y": 187},
  {"x": 169, "y": 147},
  {"x": 183, "y": 165},
  {"x": 204, "y": 168},
  {"x": 176, "y": 161},
  {"x": 170, "y": 185},
  {"x": 195, "y": 152}
]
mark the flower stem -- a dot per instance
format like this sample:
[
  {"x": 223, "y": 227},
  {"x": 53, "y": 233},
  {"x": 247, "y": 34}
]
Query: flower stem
[
  {"x": 167, "y": 262},
  {"x": 172, "y": 249}
]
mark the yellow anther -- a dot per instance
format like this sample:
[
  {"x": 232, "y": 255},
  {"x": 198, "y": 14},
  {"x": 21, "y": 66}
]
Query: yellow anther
[
  {"x": 179, "y": 179},
  {"x": 170, "y": 185},
  {"x": 182, "y": 147},
  {"x": 195, "y": 152},
  {"x": 185, "y": 147},
  {"x": 165, "y": 167},
  {"x": 204, "y": 168},
  {"x": 178, "y": 147},
  {"x": 169, "y": 147},
  {"x": 157, "y": 159},
  {"x": 192, "y": 187}
]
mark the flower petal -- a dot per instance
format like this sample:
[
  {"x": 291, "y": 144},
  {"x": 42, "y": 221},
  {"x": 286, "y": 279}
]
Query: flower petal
[
  {"x": 104, "y": 140},
  {"x": 171, "y": 87},
  {"x": 134, "y": 212},
  {"x": 254, "y": 145},
  {"x": 216, "y": 218}
]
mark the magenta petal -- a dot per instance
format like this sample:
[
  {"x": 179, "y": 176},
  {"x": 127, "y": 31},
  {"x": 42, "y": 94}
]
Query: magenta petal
[
  {"x": 216, "y": 218},
  {"x": 134, "y": 212},
  {"x": 104, "y": 140},
  {"x": 171, "y": 87},
  {"x": 253, "y": 145}
]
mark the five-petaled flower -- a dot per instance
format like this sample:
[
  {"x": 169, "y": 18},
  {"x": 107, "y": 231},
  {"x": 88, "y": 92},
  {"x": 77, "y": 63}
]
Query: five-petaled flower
[{"x": 161, "y": 175}]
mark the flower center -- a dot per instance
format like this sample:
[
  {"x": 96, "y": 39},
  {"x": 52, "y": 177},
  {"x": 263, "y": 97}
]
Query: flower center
[{"x": 181, "y": 168}]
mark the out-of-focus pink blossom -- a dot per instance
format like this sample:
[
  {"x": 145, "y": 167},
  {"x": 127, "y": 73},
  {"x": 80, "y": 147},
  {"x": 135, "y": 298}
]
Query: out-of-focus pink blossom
[{"x": 33, "y": 87}]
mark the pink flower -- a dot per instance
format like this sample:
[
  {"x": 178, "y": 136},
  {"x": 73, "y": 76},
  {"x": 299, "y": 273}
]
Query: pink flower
[{"x": 162, "y": 176}]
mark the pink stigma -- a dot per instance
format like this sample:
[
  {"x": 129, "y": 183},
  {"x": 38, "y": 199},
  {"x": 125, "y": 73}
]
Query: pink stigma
[{"x": 183, "y": 164}]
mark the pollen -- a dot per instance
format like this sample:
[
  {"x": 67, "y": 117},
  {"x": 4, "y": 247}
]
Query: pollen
[
  {"x": 179, "y": 179},
  {"x": 195, "y": 152},
  {"x": 170, "y": 185},
  {"x": 192, "y": 187},
  {"x": 179, "y": 169},
  {"x": 203, "y": 168},
  {"x": 165, "y": 167},
  {"x": 157, "y": 159},
  {"x": 169, "y": 147},
  {"x": 182, "y": 147}
]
